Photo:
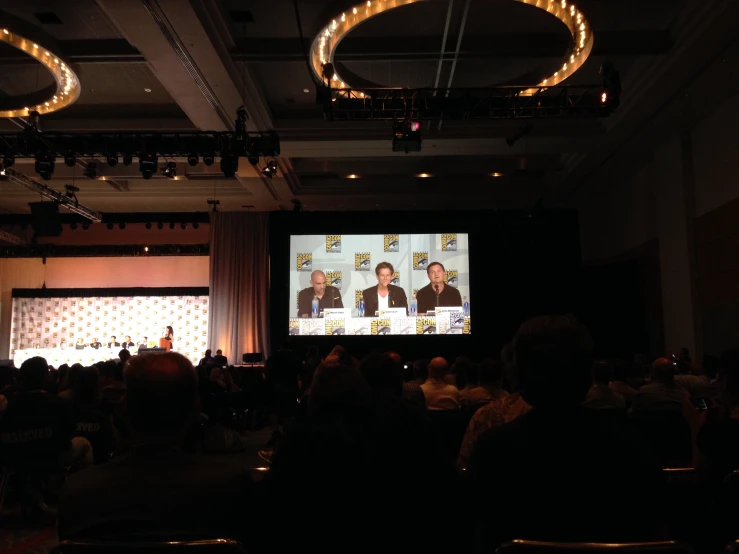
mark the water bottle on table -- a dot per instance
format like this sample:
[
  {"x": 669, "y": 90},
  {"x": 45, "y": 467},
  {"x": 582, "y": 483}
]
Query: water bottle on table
[
  {"x": 466, "y": 306},
  {"x": 361, "y": 307},
  {"x": 414, "y": 306},
  {"x": 314, "y": 307}
]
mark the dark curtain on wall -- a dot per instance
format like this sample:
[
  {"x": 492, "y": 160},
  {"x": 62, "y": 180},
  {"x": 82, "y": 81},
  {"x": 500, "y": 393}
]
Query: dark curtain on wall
[{"x": 239, "y": 284}]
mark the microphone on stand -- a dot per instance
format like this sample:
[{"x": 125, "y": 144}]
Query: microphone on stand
[{"x": 436, "y": 288}]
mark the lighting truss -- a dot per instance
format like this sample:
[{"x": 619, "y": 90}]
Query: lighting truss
[
  {"x": 70, "y": 203},
  {"x": 11, "y": 238},
  {"x": 428, "y": 104},
  {"x": 169, "y": 145}
]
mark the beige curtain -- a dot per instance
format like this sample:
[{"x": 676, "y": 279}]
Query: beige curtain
[{"x": 239, "y": 284}]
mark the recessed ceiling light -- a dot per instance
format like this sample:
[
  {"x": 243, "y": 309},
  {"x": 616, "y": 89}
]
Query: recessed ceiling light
[
  {"x": 147, "y": 90},
  {"x": 424, "y": 175},
  {"x": 496, "y": 174},
  {"x": 352, "y": 176},
  {"x": 306, "y": 90}
]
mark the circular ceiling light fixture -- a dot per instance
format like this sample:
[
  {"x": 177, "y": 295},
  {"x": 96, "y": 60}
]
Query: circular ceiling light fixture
[
  {"x": 66, "y": 87},
  {"x": 324, "y": 45}
]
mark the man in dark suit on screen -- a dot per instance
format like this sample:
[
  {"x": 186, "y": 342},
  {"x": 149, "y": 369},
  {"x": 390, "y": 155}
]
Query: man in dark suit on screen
[
  {"x": 328, "y": 296},
  {"x": 383, "y": 295}
]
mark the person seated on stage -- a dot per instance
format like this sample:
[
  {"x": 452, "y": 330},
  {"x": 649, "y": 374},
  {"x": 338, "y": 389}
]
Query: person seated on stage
[
  {"x": 219, "y": 359},
  {"x": 171, "y": 493},
  {"x": 143, "y": 344},
  {"x": 206, "y": 360},
  {"x": 95, "y": 344},
  {"x": 37, "y": 429},
  {"x": 80, "y": 344},
  {"x": 439, "y": 394},
  {"x": 558, "y": 450},
  {"x": 128, "y": 343},
  {"x": 328, "y": 296},
  {"x": 113, "y": 343},
  {"x": 437, "y": 292},
  {"x": 600, "y": 396},
  {"x": 383, "y": 295}
]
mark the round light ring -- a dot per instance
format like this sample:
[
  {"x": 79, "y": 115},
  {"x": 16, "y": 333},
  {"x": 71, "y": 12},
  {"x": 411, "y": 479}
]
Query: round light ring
[
  {"x": 327, "y": 41},
  {"x": 67, "y": 83}
]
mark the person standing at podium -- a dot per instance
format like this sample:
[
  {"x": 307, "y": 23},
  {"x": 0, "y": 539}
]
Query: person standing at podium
[{"x": 168, "y": 338}]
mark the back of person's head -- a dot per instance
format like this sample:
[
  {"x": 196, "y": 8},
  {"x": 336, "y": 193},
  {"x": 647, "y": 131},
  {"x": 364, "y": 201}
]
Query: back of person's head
[
  {"x": 107, "y": 369},
  {"x": 421, "y": 369},
  {"x": 663, "y": 371},
  {"x": 338, "y": 389},
  {"x": 491, "y": 372},
  {"x": 602, "y": 373},
  {"x": 161, "y": 396},
  {"x": 86, "y": 389},
  {"x": 466, "y": 371},
  {"x": 553, "y": 355},
  {"x": 381, "y": 372},
  {"x": 124, "y": 355},
  {"x": 621, "y": 369},
  {"x": 340, "y": 354},
  {"x": 118, "y": 372},
  {"x": 33, "y": 373},
  {"x": 6, "y": 377},
  {"x": 438, "y": 368}
]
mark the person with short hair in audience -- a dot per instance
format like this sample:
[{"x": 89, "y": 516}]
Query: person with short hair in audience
[
  {"x": 490, "y": 384},
  {"x": 600, "y": 396},
  {"x": 92, "y": 415},
  {"x": 37, "y": 429},
  {"x": 464, "y": 375},
  {"x": 619, "y": 383},
  {"x": 663, "y": 394},
  {"x": 412, "y": 388},
  {"x": 113, "y": 343},
  {"x": 552, "y": 456},
  {"x": 156, "y": 488},
  {"x": 439, "y": 394},
  {"x": 700, "y": 380}
]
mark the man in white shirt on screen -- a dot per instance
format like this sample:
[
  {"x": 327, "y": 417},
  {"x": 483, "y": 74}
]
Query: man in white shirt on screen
[
  {"x": 439, "y": 394},
  {"x": 383, "y": 295}
]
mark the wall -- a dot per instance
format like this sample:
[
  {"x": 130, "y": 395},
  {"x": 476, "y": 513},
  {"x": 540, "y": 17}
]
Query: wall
[{"x": 164, "y": 271}]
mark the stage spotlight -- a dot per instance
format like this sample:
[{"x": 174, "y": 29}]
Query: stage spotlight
[
  {"x": 271, "y": 169},
  {"x": 8, "y": 160},
  {"x": 209, "y": 158},
  {"x": 171, "y": 224},
  {"x": 148, "y": 224},
  {"x": 170, "y": 171},
  {"x": 109, "y": 226},
  {"x": 71, "y": 191},
  {"x": 85, "y": 226},
  {"x": 148, "y": 164},
  {"x": 407, "y": 136},
  {"x": 183, "y": 226},
  {"x": 518, "y": 135},
  {"x": 253, "y": 159},
  {"x": 112, "y": 159},
  {"x": 44, "y": 165},
  {"x": 73, "y": 226},
  {"x": 160, "y": 225},
  {"x": 121, "y": 226},
  {"x": 146, "y": 248},
  {"x": 196, "y": 225},
  {"x": 611, "y": 94},
  {"x": 127, "y": 159},
  {"x": 193, "y": 159},
  {"x": 229, "y": 164},
  {"x": 70, "y": 159},
  {"x": 91, "y": 171}
]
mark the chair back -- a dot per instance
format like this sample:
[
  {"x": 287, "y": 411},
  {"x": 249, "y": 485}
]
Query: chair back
[
  {"x": 668, "y": 434},
  {"x": 540, "y": 547},
  {"x": 214, "y": 546},
  {"x": 449, "y": 427}
]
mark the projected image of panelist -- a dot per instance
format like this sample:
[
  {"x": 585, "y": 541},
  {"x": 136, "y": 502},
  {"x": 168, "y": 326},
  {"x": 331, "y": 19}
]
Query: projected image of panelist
[
  {"x": 383, "y": 295},
  {"x": 328, "y": 296},
  {"x": 436, "y": 293}
]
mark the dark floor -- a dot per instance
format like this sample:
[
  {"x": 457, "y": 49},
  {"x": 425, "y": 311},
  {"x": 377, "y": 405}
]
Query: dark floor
[{"x": 21, "y": 534}]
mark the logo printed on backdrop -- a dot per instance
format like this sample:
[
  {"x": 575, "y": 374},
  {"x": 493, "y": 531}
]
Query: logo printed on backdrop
[
  {"x": 426, "y": 326},
  {"x": 396, "y": 279},
  {"x": 333, "y": 243},
  {"x": 357, "y": 297},
  {"x": 381, "y": 326},
  {"x": 362, "y": 261},
  {"x": 294, "y": 326},
  {"x": 420, "y": 261},
  {"x": 333, "y": 278},
  {"x": 305, "y": 262},
  {"x": 452, "y": 278},
  {"x": 391, "y": 243},
  {"x": 449, "y": 242},
  {"x": 335, "y": 327}
]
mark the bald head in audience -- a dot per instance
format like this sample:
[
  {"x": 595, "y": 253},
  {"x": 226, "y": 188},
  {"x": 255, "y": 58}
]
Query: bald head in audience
[
  {"x": 161, "y": 396},
  {"x": 663, "y": 370},
  {"x": 438, "y": 367}
]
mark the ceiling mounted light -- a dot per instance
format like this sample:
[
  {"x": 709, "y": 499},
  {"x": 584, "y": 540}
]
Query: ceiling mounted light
[
  {"x": 85, "y": 226},
  {"x": 171, "y": 225},
  {"x": 229, "y": 164},
  {"x": 209, "y": 158},
  {"x": 160, "y": 225},
  {"x": 170, "y": 170},
  {"x": 121, "y": 226},
  {"x": 8, "y": 160},
  {"x": 352, "y": 176},
  {"x": 183, "y": 226},
  {"x": 193, "y": 159},
  {"x": 44, "y": 164},
  {"x": 407, "y": 136},
  {"x": 148, "y": 225},
  {"x": 148, "y": 164},
  {"x": 112, "y": 159},
  {"x": 271, "y": 169},
  {"x": 70, "y": 159},
  {"x": 496, "y": 174},
  {"x": 195, "y": 225},
  {"x": 424, "y": 175},
  {"x": 91, "y": 171},
  {"x": 127, "y": 159}
]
